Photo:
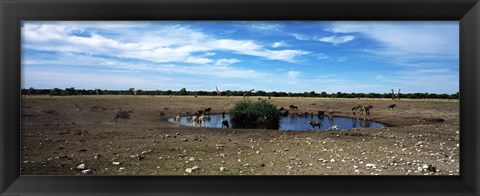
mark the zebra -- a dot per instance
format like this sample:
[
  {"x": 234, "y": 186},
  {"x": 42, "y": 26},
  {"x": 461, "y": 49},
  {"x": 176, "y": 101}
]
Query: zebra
[
  {"x": 354, "y": 109},
  {"x": 364, "y": 110}
]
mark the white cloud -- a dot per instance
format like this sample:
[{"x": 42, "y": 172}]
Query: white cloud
[
  {"x": 337, "y": 39},
  {"x": 225, "y": 62},
  {"x": 65, "y": 79},
  {"x": 265, "y": 26},
  {"x": 301, "y": 37},
  {"x": 285, "y": 55},
  {"x": 243, "y": 46},
  {"x": 128, "y": 66},
  {"x": 342, "y": 59},
  {"x": 278, "y": 44},
  {"x": 430, "y": 37},
  {"x": 327, "y": 76},
  {"x": 208, "y": 54},
  {"x": 322, "y": 56},
  {"x": 332, "y": 83},
  {"x": 293, "y": 74},
  {"x": 170, "y": 43},
  {"x": 415, "y": 80}
]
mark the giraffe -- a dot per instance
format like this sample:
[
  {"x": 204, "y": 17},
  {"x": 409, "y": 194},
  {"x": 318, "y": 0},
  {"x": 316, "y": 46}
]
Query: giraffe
[
  {"x": 398, "y": 95},
  {"x": 393, "y": 94},
  {"x": 218, "y": 92},
  {"x": 247, "y": 94},
  {"x": 30, "y": 91}
]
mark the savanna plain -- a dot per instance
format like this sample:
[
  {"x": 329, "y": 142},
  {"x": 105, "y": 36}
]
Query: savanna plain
[{"x": 76, "y": 135}]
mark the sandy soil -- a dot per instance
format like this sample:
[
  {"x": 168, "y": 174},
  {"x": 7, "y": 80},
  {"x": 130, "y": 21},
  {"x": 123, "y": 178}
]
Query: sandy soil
[{"x": 57, "y": 137}]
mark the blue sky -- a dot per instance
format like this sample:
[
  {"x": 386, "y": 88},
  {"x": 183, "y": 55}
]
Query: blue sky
[{"x": 289, "y": 56}]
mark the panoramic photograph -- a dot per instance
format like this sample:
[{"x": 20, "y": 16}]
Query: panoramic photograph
[{"x": 240, "y": 98}]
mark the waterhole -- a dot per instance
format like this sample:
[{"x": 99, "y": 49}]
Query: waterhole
[{"x": 293, "y": 123}]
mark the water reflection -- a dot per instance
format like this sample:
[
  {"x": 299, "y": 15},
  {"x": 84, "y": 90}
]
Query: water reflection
[{"x": 289, "y": 122}]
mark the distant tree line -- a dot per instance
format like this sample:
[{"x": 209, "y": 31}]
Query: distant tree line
[{"x": 183, "y": 91}]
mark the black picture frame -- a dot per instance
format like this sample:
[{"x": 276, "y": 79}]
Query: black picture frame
[{"x": 467, "y": 12}]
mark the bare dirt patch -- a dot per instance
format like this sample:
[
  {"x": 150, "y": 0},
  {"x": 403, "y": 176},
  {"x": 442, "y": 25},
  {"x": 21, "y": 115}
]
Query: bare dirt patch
[{"x": 60, "y": 133}]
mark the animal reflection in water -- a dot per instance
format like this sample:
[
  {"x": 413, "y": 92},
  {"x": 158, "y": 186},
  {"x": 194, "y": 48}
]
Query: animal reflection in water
[
  {"x": 292, "y": 123},
  {"x": 225, "y": 124},
  {"x": 361, "y": 123}
]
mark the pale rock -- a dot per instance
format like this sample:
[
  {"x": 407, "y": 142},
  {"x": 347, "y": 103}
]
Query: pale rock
[
  {"x": 195, "y": 168},
  {"x": 86, "y": 171},
  {"x": 81, "y": 166}
]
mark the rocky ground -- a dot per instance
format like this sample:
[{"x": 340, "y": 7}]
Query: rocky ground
[{"x": 76, "y": 136}]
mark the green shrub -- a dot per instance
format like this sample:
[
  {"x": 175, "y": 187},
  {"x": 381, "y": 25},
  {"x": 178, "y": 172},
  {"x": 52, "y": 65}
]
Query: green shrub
[{"x": 249, "y": 114}]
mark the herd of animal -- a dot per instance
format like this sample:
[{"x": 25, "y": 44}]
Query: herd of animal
[
  {"x": 361, "y": 109},
  {"x": 200, "y": 116}
]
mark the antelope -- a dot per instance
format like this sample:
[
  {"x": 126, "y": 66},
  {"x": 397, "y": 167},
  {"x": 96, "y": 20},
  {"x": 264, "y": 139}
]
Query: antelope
[
  {"x": 161, "y": 114},
  {"x": 391, "y": 106},
  {"x": 315, "y": 124},
  {"x": 207, "y": 110}
]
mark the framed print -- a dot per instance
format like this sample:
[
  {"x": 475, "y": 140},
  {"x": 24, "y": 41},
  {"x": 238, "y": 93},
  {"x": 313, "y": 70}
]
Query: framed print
[{"x": 244, "y": 97}]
